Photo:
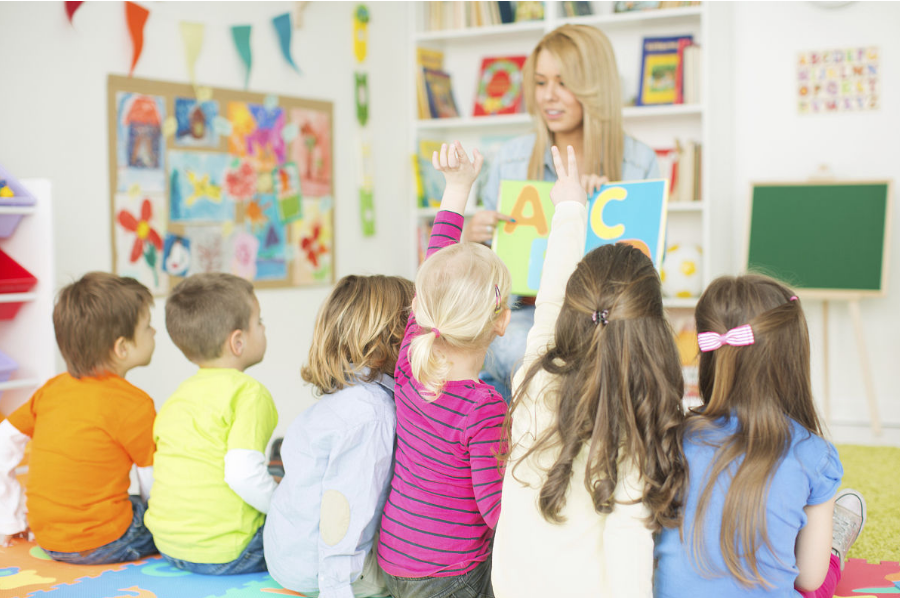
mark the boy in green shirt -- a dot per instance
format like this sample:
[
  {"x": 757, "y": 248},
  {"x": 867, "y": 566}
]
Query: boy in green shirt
[{"x": 212, "y": 488}]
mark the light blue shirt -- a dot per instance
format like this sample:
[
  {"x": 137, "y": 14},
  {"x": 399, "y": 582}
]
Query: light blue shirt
[
  {"x": 809, "y": 474},
  {"x": 343, "y": 443},
  {"x": 511, "y": 164}
]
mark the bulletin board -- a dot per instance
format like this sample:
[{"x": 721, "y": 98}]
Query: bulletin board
[
  {"x": 218, "y": 180},
  {"x": 829, "y": 238}
]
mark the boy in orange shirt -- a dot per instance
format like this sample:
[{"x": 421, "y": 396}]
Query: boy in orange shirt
[{"x": 87, "y": 427}]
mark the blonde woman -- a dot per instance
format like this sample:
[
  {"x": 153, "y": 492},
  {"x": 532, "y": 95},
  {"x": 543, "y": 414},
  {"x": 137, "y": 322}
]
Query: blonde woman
[
  {"x": 573, "y": 95},
  {"x": 320, "y": 534}
]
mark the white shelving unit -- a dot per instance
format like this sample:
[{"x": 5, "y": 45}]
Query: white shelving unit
[
  {"x": 657, "y": 126},
  {"x": 28, "y": 338}
]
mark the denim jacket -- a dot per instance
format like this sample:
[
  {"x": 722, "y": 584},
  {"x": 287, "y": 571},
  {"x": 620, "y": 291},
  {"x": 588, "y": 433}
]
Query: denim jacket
[{"x": 511, "y": 163}]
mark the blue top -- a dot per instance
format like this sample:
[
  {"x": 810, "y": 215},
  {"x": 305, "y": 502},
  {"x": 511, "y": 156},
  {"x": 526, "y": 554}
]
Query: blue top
[
  {"x": 809, "y": 474},
  {"x": 511, "y": 164},
  {"x": 342, "y": 445}
]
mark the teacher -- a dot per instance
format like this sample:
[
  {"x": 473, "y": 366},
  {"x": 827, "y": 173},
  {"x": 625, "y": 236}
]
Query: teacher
[{"x": 572, "y": 91}]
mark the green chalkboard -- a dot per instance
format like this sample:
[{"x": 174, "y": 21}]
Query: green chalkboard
[{"x": 829, "y": 237}]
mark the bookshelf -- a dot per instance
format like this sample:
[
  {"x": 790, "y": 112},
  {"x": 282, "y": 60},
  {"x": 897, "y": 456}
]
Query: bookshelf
[{"x": 689, "y": 222}]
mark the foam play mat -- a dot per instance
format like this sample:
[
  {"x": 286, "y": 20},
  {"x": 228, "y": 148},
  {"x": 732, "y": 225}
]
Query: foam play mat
[{"x": 27, "y": 572}]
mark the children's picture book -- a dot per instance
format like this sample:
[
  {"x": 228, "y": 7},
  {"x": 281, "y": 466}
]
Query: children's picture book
[
  {"x": 631, "y": 6},
  {"x": 439, "y": 88},
  {"x": 431, "y": 182},
  {"x": 426, "y": 58},
  {"x": 577, "y": 8},
  {"x": 632, "y": 212},
  {"x": 499, "y": 86},
  {"x": 659, "y": 70},
  {"x": 529, "y": 10}
]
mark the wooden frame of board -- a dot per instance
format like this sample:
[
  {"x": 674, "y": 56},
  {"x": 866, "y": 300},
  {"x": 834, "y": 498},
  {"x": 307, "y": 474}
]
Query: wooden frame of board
[
  {"x": 852, "y": 297},
  {"x": 169, "y": 91},
  {"x": 823, "y": 293}
]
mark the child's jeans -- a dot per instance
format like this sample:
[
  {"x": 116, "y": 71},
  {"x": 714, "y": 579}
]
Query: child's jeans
[
  {"x": 135, "y": 543},
  {"x": 474, "y": 584},
  {"x": 832, "y": 578},
  {"x": 252, "y": 560}
]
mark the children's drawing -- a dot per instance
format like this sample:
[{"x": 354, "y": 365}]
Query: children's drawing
[
  {"x": 240, "y": 179},
  {"x": 315, "y": 236},
  {"x": 196, "y": 191},
  {"x": 196, "y": 123},
  {"x": 245, "y": 250},
  {"x": 138, "y": 242},
  {"x": 139, "y": 141},
  {"x": 256, "y": 133},
  {"x": 176, "y": 255},
  {"x": 272, "y": 255},
  {"x": 210, "y": 250},
  {"x": 287, "y": 192},
  {"x": 312, "y": 151}
]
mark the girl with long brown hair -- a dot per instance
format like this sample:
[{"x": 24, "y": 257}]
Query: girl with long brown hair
[
  {"x": 760, "y": 508},
  {"x": 595, "y": 463}
]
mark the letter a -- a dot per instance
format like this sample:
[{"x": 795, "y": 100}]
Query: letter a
[{"x": 528, "y": 195}]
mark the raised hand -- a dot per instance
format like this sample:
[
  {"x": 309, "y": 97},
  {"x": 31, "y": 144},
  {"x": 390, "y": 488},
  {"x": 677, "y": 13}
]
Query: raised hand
[
  {"x": 480, "y": 227},
  {"x": 592, "y": 183},
  {"x": 568, "y": 185},
  {"x": 459, "y": 172}
]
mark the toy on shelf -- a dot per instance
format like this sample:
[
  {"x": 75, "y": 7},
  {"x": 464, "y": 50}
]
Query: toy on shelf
[
  {"x": 12, "y": 195},
  {"x": 13, "y": 279},
  {"x": 5, "y": 190}
]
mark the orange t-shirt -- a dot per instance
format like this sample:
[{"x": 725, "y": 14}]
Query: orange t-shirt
[{"x": 86, "y": 434}]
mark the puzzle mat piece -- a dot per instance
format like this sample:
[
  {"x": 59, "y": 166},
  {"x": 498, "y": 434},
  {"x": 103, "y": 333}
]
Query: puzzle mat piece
[{"x": 865, "y": 580}]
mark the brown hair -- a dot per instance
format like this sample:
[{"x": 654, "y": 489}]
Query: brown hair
[
  {"x": 456, "y": 294},
  {"x": 359, "y": 326},
  {"x": 619, "y": 388},
  {"x": 91, "y": 314},
  {"x": 204, "y": 309},
  {"x": 587, "y": 66},
  {"x": 762, "y": 385}
]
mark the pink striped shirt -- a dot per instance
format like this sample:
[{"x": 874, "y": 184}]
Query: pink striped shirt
[{"x": 445, "y": 494}]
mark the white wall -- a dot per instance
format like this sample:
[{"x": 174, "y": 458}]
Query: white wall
[
  {"x": 773, "y": 142},
  {"x": 53, "y": 124}
]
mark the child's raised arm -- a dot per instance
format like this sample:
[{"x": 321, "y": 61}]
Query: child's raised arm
[{"x": 459, "y": 172}]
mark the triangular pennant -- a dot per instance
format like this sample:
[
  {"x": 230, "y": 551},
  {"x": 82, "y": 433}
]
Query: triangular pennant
[
  {"x": 192, "y": 34},
  {"x": 241, "y": 35},
  {"x": 71, "y": 7},
  {"x": 283, "y": 28},
  {"x": 136, "y": 16}
]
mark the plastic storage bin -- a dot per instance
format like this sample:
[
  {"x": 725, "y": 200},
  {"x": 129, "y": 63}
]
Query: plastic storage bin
[
  {"x": 8, "y": 365},
  {"x": 13, "y": 279},
  {"x": 21, "y": 199}
]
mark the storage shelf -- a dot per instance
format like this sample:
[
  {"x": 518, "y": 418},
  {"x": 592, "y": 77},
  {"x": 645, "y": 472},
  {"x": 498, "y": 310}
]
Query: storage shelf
[
  {"x": 24, "y": 211},
  {"x": 23, "y": 383},
  {"x": 17, "y": 297},
  {"x": 685, "y": 206},
  {"x": 473, "y": 122},
  {"x": 680, "y": 302},
  {"x": 636, "y": 18},
  {"x": 492, "y": 31},
  {"x": 422, "y": 213},
  {"x": 636, "y": 112}
]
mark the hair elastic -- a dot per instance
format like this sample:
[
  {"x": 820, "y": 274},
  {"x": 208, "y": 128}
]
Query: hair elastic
[
  {"x": 600, "y": 317},
  {"x": 793, "y": 297},
  {"x": 497, "y": 297},
  {"x": 437, "y": 333}
]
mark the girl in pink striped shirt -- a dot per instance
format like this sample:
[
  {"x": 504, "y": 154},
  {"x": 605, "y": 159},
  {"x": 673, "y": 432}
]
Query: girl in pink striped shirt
[{"x": 444, "y": 502}]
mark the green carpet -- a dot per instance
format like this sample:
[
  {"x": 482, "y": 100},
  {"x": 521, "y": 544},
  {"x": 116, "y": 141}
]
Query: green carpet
[{"x": 869, "y": 470}]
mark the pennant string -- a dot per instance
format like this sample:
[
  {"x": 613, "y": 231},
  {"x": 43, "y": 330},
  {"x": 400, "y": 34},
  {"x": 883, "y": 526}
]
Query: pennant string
[
  {"x": 283, "y": 27},
  {"x": 241, "y": 35},
  {"x": 136, "y": 16},
  {"x": 71, "y": 7},
  {"x": 192, "y": 34}
]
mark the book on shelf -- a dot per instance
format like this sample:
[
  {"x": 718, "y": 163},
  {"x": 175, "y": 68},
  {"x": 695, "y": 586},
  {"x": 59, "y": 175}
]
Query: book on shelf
[
  {"x": 528, "y": 10},
  {"x": 667, "y": 158},
  {"x": 688, "y": 176},
  {"x": 423, "y": 236},
  {"x": 439, "y": 88},
  {"x": 499, "y": 86},
  {"x": 507, "y": 15},
  {"x": 426, "y": 58},
  {"x": 462, "y": 15},
  {"x": 659, "y": 70},
  {"x": 429, "y": 182},
  {"x": 577, "y": 8},
  {"x": 690, "y": 84},
  {"x": 633, "y": 6}
]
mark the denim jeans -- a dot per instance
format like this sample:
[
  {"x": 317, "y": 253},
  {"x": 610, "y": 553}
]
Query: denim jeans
[
  {"x": 252, "y": 560},
  {"x": 135, "y": 543},
  {"x": 474, "y": 584},
  {"x": 505, "y": 354}
]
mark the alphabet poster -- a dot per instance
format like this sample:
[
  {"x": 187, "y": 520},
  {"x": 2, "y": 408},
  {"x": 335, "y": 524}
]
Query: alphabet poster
[
  {"x": 205, "y": 180},
  {"x": 841, "y": 80},
  {"x": 625, "y": 212}
]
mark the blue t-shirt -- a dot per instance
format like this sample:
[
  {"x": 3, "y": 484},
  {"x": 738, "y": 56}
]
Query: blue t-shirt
[{"x": 809, "y": 474}]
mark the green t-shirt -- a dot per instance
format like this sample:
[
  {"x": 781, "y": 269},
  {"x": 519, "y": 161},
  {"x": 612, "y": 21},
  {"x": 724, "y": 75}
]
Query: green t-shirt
[{"x": 194, "y": 515}]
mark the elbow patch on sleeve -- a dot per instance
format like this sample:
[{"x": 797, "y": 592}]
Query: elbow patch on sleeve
[{"x": 334, "y": 517}]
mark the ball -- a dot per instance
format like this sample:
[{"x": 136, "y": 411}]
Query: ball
[{"x": 681, "y": 273}]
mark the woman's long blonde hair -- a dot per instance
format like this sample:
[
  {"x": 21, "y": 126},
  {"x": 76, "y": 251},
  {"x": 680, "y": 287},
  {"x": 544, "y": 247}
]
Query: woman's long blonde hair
[
  {"x": 761, "y": 385},
  {"x": 587, "y": 65},
  {"x": 619, "y": 389},
  {"x": 359, "y": 326},
  {"x": 456, "y": 306}
]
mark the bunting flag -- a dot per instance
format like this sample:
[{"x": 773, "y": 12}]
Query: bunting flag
[
  {"x": 136, "y": 16},
  {"x": 192, "y": 34},
  {"x": 362, "y": 98},
  {"x": 71, "y": 7},
  {"x": 283, "y": 28},
  {"x": 241, "y": 35}
]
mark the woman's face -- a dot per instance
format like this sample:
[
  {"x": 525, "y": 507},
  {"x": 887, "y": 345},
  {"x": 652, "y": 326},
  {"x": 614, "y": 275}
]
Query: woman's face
[{"x": 560, "y": 109}]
